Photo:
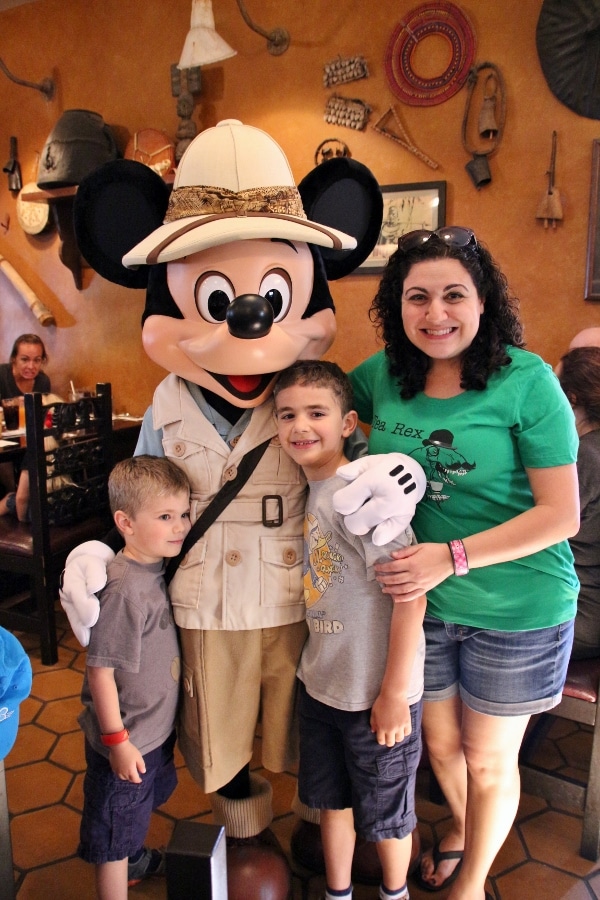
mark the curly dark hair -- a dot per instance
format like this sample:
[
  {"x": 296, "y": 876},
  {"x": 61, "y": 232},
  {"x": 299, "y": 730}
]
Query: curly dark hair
[{"x": 499, "y": 325}]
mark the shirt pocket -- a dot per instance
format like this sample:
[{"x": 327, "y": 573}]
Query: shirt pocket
[
  {"x": 281, "y": 571},
  {"x": 194, "y": 459},
  {"x": 185, "y": 590}
]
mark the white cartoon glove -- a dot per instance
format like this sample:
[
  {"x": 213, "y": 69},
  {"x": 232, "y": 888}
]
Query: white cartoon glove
[
  {"x": 84, "y": 574},
  {"x": 383, "y": 494}
]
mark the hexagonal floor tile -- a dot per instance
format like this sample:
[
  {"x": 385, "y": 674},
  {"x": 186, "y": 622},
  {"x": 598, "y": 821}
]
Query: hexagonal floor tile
[
  {"x": 44, "y": 836},
  {"x": 35, "y": 786}
]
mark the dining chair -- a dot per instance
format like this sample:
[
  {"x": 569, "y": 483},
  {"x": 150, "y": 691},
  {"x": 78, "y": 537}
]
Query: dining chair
[
  {"x": 69, "y": 458},
  {"x": 580, "y": 703}
]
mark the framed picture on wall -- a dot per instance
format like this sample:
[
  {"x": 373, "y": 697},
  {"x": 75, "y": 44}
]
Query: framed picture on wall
[
  {"x": 406, "y": 207},
  {"x": 592, "y": 266}
]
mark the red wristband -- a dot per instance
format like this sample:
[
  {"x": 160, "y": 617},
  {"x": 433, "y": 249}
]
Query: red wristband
[
  {"x": 459, "y": 557},
  {"x": 117, "y": 737}
]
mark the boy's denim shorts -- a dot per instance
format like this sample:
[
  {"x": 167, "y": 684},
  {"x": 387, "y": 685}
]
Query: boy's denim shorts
[
  {"x": 116, "y": 814},
  {"x": 342, "y": 765},
  {"x": 498, "y": 673}
]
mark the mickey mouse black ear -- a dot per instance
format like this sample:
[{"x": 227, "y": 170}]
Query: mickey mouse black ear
[
  {"x": 344, "y": 194},
  {"x": 116, "y": 206}
]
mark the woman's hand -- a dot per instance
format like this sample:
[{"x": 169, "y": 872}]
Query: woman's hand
[{"x": 413, "y": 571}]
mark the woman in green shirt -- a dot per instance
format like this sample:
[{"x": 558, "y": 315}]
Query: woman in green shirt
[{"x": 490, "y": 425}]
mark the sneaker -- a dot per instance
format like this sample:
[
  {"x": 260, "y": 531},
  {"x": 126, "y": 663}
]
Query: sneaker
[{"x": 151, "y": 862}]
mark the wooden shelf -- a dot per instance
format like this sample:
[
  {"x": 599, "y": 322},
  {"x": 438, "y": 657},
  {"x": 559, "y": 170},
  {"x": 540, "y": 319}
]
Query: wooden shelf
[
  {"x": 53, "y": 194},
  {"x": 61, "y": 204},
  {"x": 60, "y": 201}
]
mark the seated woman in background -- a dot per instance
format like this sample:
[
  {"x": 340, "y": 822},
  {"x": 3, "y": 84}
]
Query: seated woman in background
[
  {"x": 16, "y": 503},
  {"x": 23, "y": 373},
  {"x": 579, "y": 375}
]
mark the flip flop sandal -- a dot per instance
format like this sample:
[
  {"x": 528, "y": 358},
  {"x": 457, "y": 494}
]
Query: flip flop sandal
[{"x": 438, "y": 857}]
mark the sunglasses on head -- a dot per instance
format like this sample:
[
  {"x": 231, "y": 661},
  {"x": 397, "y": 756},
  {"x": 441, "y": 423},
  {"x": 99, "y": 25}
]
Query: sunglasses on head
[{"x": 453, "y": 235}]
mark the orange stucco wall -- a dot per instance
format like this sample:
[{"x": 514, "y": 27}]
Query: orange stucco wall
[{"x": 114, "y": 57}]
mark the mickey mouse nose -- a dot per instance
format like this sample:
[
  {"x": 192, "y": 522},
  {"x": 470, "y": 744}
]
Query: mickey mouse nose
[{"x": 249, "y": 316}]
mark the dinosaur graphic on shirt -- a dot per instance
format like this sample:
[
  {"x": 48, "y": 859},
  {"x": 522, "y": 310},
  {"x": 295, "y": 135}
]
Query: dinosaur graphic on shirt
[{"x": 442, "y": 463}]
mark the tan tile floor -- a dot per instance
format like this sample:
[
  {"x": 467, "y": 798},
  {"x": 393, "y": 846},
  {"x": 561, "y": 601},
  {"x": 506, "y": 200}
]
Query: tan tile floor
[{"x": 44, "y": 774}]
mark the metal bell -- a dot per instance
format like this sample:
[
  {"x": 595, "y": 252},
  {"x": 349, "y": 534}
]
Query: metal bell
[
  {"x": 550, "y": 209},
  {"x": 488, "y": 127},
  {"x": 479, "y": 170}
]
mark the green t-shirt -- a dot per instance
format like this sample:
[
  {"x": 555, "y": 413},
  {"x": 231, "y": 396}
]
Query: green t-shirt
[{"x": 474, "y": 449}]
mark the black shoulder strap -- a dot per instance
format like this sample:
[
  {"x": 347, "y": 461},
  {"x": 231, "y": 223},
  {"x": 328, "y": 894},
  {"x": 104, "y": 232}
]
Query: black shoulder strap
[{"x": 247, "y": 465}]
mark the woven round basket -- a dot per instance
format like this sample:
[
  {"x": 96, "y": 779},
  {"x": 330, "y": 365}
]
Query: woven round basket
[{"x": 441, "y": 18}]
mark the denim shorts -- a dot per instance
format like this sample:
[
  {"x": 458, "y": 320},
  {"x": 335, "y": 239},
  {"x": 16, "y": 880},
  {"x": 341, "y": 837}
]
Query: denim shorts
[
  {"x": 342, "y": 765},
  {"x": 116, "y": 814},
  {"x": 499, "y": 673}
]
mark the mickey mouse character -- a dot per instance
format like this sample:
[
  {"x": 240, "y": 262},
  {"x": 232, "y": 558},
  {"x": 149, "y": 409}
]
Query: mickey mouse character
[{"x": 235, "y": 262}]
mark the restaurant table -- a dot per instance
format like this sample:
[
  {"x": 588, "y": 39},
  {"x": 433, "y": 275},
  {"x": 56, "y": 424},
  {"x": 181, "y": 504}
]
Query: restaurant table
[
  {"x": 125, "y": 435},
  {"x": 126, "y": 431}
]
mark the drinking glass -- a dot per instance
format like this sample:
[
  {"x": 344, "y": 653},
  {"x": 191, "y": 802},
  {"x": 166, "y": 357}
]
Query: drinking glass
[{"x": 10, "y": 407}]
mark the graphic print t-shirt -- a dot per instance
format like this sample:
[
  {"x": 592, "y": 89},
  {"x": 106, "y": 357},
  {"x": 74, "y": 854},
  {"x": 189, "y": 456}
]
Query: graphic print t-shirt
[
  {"x": 348, "y": 616},
  {"x": 474, "y": 449}
]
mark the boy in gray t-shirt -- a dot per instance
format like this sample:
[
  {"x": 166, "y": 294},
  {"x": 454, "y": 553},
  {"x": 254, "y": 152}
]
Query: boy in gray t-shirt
[
  {"x": 131, "y": 684},
  {"x": 361, "y": 670}
]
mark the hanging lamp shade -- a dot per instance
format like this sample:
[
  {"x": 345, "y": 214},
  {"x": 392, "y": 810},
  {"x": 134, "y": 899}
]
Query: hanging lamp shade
[{"x": 203, "y": 45}]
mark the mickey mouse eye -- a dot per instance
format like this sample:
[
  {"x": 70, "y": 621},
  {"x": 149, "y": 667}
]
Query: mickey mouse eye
[
  {"x": 213, "y": 293},
  {"x": 276, "y": 287}
]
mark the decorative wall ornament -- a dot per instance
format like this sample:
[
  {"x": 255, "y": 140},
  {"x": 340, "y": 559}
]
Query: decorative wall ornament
[
  {"x": 568, "y": 45},
  {"x": 154, "y": 148},
  {"x": 12, "y": 168},
  {"x": 441, "y": 18},
  {"x": 550, "y": 208},
  {"x": 40, "y": 311},
  {"x": 488, "y": 125},
  {"x": 488, "y": 143},
  {"x": 342, "y": 70},
  {"x": 331, "y": 148},
  {"x": 79, "y": 143},
  {"x": 382, "y": 126},
  {"x": 347, "y": 112},
  {"x": 185, "y": 84},
  {"x": 32, "y": 216}
]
